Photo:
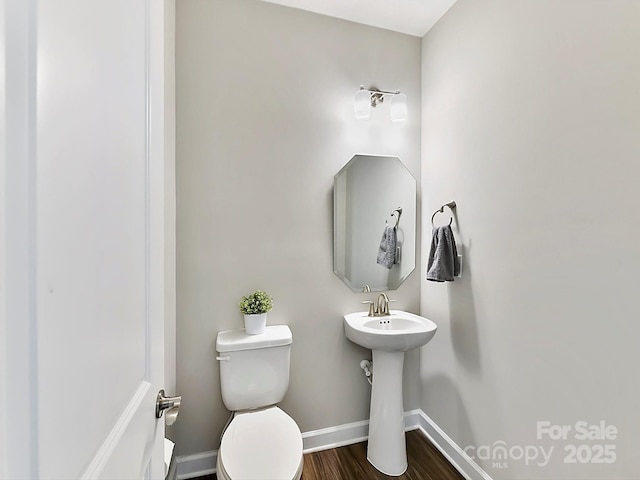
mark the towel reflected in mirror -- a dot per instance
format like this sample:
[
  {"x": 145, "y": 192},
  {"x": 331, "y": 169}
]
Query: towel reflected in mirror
[{"x": 387, "y": 251}]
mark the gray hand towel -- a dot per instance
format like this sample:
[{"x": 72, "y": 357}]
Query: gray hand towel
[
  {"x": 387, "y": 249},
  {"x": 443, "y": 259}
]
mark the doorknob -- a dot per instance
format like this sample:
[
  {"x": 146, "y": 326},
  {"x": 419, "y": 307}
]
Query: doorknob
[{"x": 167, "y": 403}]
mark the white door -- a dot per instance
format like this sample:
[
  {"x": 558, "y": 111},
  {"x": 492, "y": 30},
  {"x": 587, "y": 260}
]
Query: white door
[{"x": 81, "y": 239}]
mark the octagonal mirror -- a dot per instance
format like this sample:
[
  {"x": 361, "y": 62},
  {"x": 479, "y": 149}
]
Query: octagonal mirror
[{"x": 369, "y": 193}]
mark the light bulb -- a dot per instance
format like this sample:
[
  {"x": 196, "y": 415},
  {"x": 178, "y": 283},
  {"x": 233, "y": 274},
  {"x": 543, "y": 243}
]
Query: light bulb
[
  {"x": 362, "y": 104},
  {"x": 398, "y": 107}
]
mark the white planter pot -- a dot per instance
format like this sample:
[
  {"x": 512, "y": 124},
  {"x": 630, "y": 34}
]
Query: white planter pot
[{"x": 254, "y": 323}]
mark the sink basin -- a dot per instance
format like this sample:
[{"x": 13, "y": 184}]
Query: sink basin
[{"x": 398, "y": 332}]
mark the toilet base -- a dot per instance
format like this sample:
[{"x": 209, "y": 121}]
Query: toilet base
[{"x": 221, "y": 474}]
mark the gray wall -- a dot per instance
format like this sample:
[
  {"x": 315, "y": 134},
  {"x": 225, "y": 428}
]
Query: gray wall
[
  {"x": 264, "y": 121},
  {"x": 531, "y": 121}
]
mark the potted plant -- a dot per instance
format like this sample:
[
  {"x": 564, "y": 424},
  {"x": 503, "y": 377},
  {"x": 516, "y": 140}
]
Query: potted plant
[{"x": 255, "y": 308}]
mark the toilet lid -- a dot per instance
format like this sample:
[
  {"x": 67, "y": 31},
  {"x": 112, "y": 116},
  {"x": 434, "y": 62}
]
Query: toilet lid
[{"x": 263, "y": 444}]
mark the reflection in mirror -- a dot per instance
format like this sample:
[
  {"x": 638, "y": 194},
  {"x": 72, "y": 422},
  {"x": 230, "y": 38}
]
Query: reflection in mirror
[{"x": 368, "y": 247}]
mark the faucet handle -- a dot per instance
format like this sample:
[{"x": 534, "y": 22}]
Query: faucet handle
[{"x": 371, "y": 308}]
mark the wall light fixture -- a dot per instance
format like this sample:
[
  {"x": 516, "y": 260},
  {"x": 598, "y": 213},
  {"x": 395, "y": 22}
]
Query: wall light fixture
[{"x": 365, "y": 98}]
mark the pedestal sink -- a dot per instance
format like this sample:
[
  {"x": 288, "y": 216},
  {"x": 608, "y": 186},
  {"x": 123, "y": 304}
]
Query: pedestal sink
[{"x": 388, "y": 337}]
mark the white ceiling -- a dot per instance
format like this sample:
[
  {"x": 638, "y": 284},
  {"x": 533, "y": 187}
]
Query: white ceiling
[{"x": 414, "y": 17}]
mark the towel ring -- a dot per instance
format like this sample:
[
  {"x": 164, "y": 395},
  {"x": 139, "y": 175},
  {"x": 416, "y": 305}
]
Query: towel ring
[
  {"x": 451, "y": 206},
  {"x": 399, "y": 212}
]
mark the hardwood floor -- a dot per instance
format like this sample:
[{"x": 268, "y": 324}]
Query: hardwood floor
[{"x": 350, "y": 463}]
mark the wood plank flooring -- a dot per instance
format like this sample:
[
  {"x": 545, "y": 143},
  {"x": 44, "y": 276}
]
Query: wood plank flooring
[{"x": 350, "y": 463}]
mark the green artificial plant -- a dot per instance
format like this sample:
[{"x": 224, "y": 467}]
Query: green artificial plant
[{"x": 257, "y": 302}]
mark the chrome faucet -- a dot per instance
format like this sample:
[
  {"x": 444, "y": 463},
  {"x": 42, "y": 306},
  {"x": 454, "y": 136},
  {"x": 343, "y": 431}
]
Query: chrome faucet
[
  {"x": 380, "y": 308},
  {"x": 383, "y": 304}
]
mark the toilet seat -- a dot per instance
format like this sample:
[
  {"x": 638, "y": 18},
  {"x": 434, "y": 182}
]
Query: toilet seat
[{"x": 261, "y": 445}]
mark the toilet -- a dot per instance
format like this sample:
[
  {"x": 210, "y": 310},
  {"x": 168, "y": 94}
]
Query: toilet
[{"x": 261, "y": 442}]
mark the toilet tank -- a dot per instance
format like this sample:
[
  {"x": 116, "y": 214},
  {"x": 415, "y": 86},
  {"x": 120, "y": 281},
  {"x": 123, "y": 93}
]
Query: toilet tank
[{"x": 254, "y": 369}]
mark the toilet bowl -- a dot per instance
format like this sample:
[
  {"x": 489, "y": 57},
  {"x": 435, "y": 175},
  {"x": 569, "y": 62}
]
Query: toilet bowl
[{"x": 261, "y": 445}]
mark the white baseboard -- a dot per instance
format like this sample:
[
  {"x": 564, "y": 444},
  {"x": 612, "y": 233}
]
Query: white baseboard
[
  {"x": 452, "y": 452},
  {"x": 196, "y": 465},
  {"x": 191, "y": 466},
  {"x": 333, "y": 437}
]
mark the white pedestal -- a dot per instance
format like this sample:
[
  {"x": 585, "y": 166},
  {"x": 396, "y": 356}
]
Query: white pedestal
[{"x": 387, "y": 449}]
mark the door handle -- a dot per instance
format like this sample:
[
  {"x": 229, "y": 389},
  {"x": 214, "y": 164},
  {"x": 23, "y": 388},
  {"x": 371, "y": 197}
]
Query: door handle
[{"x": 167, "y": 403}]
